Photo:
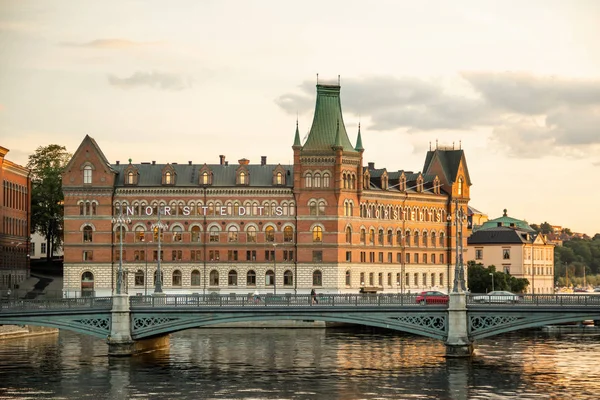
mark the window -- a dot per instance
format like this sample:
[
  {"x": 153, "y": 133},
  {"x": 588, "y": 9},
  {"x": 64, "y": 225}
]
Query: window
[
  {"x": 348, "y": 278},
  {"x": 195, "y": 278},
  {"x": 196, "y": 255},
  {"x": 372, "y": 256},
  {"x": 162, "y": 276},
  {"x": 424, "y": 278},
  {"x": 348, "y": 256},
  {"x": 380, "y": 279},
  {"x": 232, "y": 278},
  {"x": 130, "y": 180},
  {"x": 371, "y": 279},
  {"x": 140, "y": 234},
  {"x": 118, "y": 255},
  {"x": 288, "y": 255},
  {"x": 213, "y": 278},
  {"x": 87, "y": 234},
  {"x": 251, "y": 255},
  {"x": 432, "y": 279},
  {"x": 390, "y": 237},
  {"x": 251, "y": 278},
  {"x": 87, "y": 175},
  {"x": 478, "y": 254},
  {"x": 232, "y": 235},
  {"x": 380, "y": 257},
  {"x": 416, "y": 279},
  {"x": 389, "y": 257},
  {"x": 168, "y": 178},
  {"x": 176, "y": 255},
  {"x": 81, "y": 205},
  {"x": 155, "y": 255},
  {"x": 269, "y": 278},
  {"x": 214, "y": 234},
  {"x": 269, "y": 255},
  {"x": 407, "y": 258},
  {"x": 279, "y": 178},
  {"x": 506, "y": 254},
  {"x": 348, "y": 235},
  {"x": 317, "y": 234},
  {"x": 380, "y": 237},
  {"x": 362, "y": 278},
  {"x": 441, "y": 281},
  {"x": 232, "y": 255},
  {"x": 288, "y": 278},
  {"x": 177, "y": 234},
  {"x": 317, "y": 278},
  {"x": 308, "y": 180},
  {"x": 459, "y": 186},
  {"x": 214, "y": 255},
  {"x": 433, "y": 258},
  {"x": 416, "y": 258},
  {"x": 204, "y": 178},
  {"x": 177, "y": 278},
  {"x": 317, "y": 256},
  {"x": 288, "y": 234},
  {"x": 269, "y": 234},
  {"x": 251, "y": 234},
  {"x": 317, "y": 180},
  {"x": 424, "y": 258},
  {"x": 372, "y": 236},
  {"x": 326, "y": 180},
  {"x": 195, "y": 234},
  {"x": 442, "y": 258},
  {"x": 88, "y": 255},
  {"x": 363, "y": 236},
  {"x": 139, "y": 278}
]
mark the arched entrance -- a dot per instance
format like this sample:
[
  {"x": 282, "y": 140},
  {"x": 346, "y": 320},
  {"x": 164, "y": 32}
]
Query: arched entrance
[{"x": 87, "y": 284}]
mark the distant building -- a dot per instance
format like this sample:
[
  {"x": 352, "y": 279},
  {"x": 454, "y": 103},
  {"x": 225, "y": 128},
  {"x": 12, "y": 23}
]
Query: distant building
[
  {"x": 326, "y": 222},
  {"x": 38, "y": 245},
  {"x": 15, "y": 214},
  {"x": 514, "y": 247},
  {"x": 475, "y": 219}
]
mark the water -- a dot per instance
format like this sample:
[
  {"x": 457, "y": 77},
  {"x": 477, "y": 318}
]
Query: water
[{"x": 302, "y": 364}]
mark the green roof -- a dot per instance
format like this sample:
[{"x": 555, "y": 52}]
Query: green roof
[
  {"x": 326, "y": 122},
  {"x": 507, "y": 221}
]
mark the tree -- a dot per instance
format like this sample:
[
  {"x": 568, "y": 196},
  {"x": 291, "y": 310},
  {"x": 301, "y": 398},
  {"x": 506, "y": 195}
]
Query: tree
[
  {"x": 46, "y": 165},
  {"x": 546, "y": 228}
]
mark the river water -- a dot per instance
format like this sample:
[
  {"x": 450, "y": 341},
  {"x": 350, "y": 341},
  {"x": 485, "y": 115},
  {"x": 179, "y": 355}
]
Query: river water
[{"x": 303, "y": 364}]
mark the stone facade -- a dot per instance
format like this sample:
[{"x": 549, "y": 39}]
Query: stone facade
[{"x": 331, "y": 223}]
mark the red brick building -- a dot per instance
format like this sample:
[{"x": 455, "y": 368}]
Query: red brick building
[
  {"x": 326, "y": 222},
  {"x": 15, "y": 213}
]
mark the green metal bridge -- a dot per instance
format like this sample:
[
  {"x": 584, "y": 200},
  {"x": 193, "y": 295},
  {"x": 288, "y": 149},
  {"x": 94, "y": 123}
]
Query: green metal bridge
[{"x": 123, "y": 319}]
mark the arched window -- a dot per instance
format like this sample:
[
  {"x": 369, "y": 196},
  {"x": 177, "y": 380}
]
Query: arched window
[
  {"x": 177, "y": 234},
  {"x": 407, "y": 238},
  {"x": 177, "y": 278},
  {"x": 87, "y": 284},
  {"x": 288, "y": 234},
  {"x": 317, "y": 234},
  {"x": 140, "y": 234},
  {"x": 139, "y": 278},
  {"x": 279, "y": 178},
  {"x": 214, "y": 234},
  {"x": 348, "y": 235},
  {"x": 269, "y": 234},
  {"x": 380, "y": 237},
  {"x": 459, "y": 186},
  {"x": 326, "y": 180},
  {"x": 321, "y": 208},
  {"x": 204, "y": 179},
  {"x": 87, "y": 175},
  {"x": 232, "y": 234},
  {"x": 242, "y": 178},
  {"x": 87, "y": 234},
  {"x": 416, "y": 238},
  {"x": 251, "y": 234},
  {"x": 425, "y": 242},
  {"x": 213, "y": 278},
  {"x": 372, "y": 236},
  {"x": 232, "y": 278},
  {"x": 288, "y": 278},
  {"x": 313, "y": 207},
  {"x": 168, "y": 178},
  {"x": 442, "y": 239},
  {"x": 195, "y": 234},
  {"x": 348, "y": 278},
  {"x": 433, "y": 239},
  {"x": 195, "y": 278},
  {"x": 317, "y": 180},
  {"x": 81, "y": 209},
  {"x": 308, "y": 180},
  {"x": 251, "y": 278},
  {"x": 130, "y": 180},
  {"x": 269, "y": 278},
  {"x": 363, "y": 235},
  {"x": 317, "y": 278}
]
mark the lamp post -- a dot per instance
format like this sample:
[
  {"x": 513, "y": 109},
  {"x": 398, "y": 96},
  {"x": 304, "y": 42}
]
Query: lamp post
[
  {"x": 121, "y": 219},
  {"x": 146, "y": 273},
  {"x": 492, "y": 275},
  {"x": 274, "y": 269},
  {"x": 159, "y": 226},
  {"x": 459, "y": 272}
]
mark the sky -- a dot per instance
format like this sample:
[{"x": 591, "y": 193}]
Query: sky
[{"x": 516, "y": 84}]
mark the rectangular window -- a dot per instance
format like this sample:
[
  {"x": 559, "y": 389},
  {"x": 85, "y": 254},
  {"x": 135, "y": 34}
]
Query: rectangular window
[
  {"x": 288, "y": 255},
  {"x": 408, "y": 258},
  {"x": 232, "y": 255},
  {"x": 362, "y": 279},
  {"x": 88, "y": 255},
  {"x": 433, "y": 258},
  {"x": 416, "y": 258},
  {"x": 118, "y": 255},
  {"x": 442, "y": 258},
  {"x": 348, "y": 256},
  {"x": 389, "y": 258},
  {"x": 380, "y": 256},
  {"x": 269, "y": 255},
  {"x": 424, "y": 258},
  {"x": 43, "y": 248},
  {"x": 139, "y": 279},
  {"x": 155, "y": 255},
  {"x": 416, "y": 279},
  {"x": 363, "y": 256},
  {"x": 506, "y": 254},
  {"x": 196, "y": 255},
  {"x": 317, "y": 256},
  {"x": 398, "y": 258},
  {"x": 250, "y": 255},
  {"x": 372, "y": 256},
  {"x": 371, "y": 278},
  {"x": 176, "y": 255},
  {"x": 380, "y": 279},
  {"x": 424, "y": 279},
  {"x": 479, "y": 254}
]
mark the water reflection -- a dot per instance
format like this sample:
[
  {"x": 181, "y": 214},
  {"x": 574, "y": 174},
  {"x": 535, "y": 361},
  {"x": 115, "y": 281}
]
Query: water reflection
[{"x": 301, "y": 364}]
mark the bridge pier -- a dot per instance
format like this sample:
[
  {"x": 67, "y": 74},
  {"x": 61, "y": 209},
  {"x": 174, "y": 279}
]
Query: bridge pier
[{"x": 458, "y": 343}]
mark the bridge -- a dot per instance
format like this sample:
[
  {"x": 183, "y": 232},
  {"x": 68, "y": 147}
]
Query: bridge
[{"x": 141, "y": 323}]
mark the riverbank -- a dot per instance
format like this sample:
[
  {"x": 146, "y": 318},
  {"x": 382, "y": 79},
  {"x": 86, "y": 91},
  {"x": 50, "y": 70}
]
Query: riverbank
[{"x": 22, "y": 331}]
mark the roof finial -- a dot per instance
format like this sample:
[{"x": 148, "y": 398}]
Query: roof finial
[
  {"x": 338, "y": 80},
  {"x": 460, "y": 144},
  {"x": 317, "y": 78},
  {"x": 504, "y": 212},
  {"x": 452, "y": 145},
  {"x": 436, "y": 144},
  {"x": 130, "y": 161},
  {"x": 430, "y": 145}
]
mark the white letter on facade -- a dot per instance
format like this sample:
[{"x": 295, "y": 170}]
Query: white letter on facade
[
  {"x": 279, "y": 211},
  {"x": 204, "y": 208},
  {"x": 186, "y": 210},
  {"x": 167, "y": 210},
  {"x": 129, "y": 210},
  {"x": 242, "y": 211},
  {"x": 148, "y": 210},
  {"x": 223, "y": 210},
  {"x": 260, "y": 210}
]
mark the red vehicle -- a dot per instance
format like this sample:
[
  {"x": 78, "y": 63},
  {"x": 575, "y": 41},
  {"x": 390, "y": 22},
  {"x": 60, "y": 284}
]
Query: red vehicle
[{"x": 432, "y": 297}]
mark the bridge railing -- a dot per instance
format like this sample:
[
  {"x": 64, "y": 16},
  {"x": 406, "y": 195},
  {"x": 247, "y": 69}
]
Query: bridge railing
[
  {"x": 270, "y": 300},
  {"x": 104, "y": 303},
  {"x": 536, "y": 299}
]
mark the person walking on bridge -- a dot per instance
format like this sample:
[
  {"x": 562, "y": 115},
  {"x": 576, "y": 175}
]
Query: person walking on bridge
[{"x": 313, "y": 296}]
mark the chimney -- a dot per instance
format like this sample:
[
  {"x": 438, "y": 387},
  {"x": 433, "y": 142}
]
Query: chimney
[
  {"x": 118, "y": 162},
  {"x": 244, "y": 161},
  {"x": 371, "y": 165},
  {"x": 153, "y": 162},
  {"x": 222, "y": 159},
  {"x": 263, "y": 160},
  {"x": 189, "y": 163}
]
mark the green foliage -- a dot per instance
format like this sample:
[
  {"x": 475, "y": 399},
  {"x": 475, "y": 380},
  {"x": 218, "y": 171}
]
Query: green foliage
[
  {"x": 578, "y": 252},
  {"x": 480, "y": 280},
  {"x": 46, "y": 165},
  {"x": 545, "y": 228}
]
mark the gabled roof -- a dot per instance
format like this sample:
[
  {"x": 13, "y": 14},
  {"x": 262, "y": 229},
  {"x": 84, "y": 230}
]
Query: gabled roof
[
  {"x": 449, "y": 160},
  {"x": 501, "y": 235},
  {"x": 327, "y": 118},
  {"x": 89, "y": 139},
  {"x": 150, "y": 175}
]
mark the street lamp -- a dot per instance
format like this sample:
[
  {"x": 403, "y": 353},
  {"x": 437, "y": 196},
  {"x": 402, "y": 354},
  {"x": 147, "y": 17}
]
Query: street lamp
[
  {"x": 146, "y": 273},
  {"x": 159, "y": 226},
  {"x": 274, "y": 269},
  {"x": 492, "y": 275},
  {"x": 459, "y": 271},
  {"x": 121, "y": 219}
]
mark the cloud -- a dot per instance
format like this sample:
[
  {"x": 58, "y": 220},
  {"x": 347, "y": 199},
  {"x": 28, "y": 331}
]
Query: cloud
[
  {"x": 530, "y": 116},
  {"x": 157, "y": 80},
  {"x": 109, "y": 44}
]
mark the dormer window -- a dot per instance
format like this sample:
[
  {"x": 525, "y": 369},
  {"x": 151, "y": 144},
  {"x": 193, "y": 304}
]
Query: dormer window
[
  {"x": 130, "y": 178},
  {"x": 205, "y": 176},
  {"x": 168, "y": 178},
  {"x": 279, "y": 179},
  {"x": 131, "y": 175},
  {"x": 204, "y": 179},
  {"x": 242, "y": 178}
]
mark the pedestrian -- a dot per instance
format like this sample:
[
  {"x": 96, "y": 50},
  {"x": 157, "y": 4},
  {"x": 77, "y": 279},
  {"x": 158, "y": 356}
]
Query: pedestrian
[
  {"x": 256, "y": 296},
  {"x": 313, "y": 295}
]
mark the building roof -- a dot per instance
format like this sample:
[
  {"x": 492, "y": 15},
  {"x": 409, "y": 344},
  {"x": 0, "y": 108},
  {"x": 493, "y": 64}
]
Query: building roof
[
  {"x": 450, "y": 160},
  {"x": 188, "y": 175},
  {"x": 507, "y": 221},
  {"x": 327, "y": 121},
  {"x": 501, "y": 235}
]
